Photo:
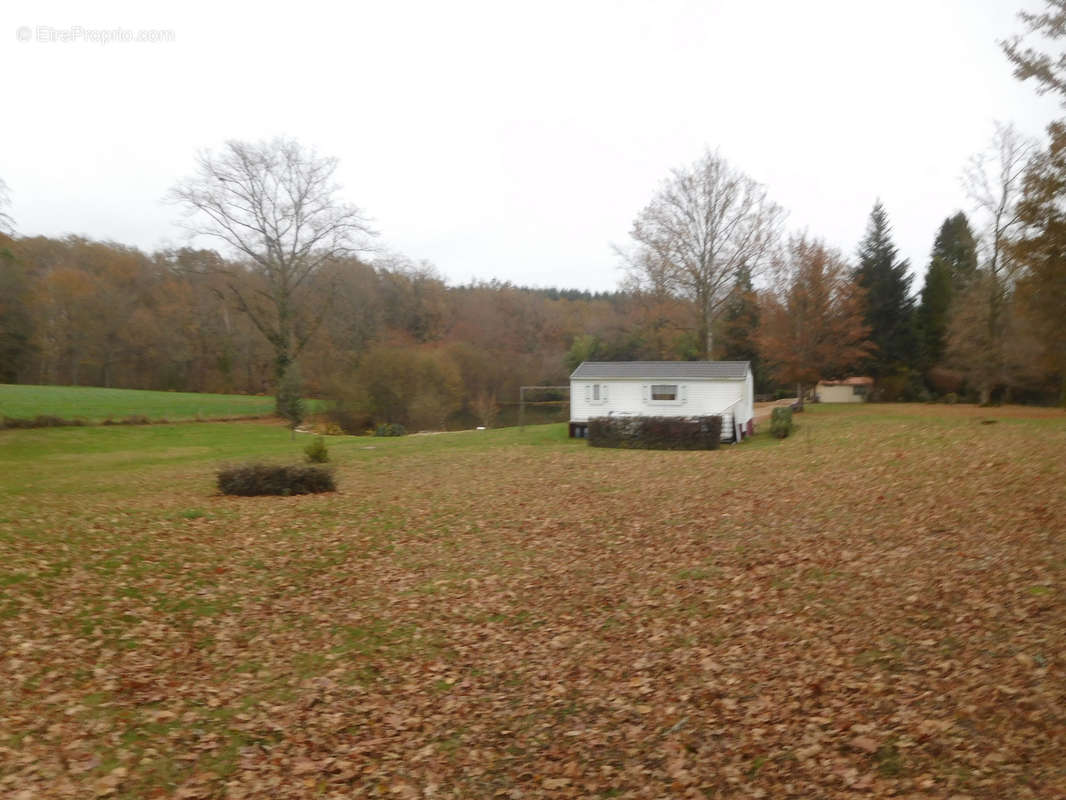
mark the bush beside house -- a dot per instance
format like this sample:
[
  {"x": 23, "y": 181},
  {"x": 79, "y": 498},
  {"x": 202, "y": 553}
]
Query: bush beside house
[{"x": 656, "y": 433}]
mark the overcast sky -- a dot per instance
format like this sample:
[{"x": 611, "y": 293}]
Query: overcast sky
[{"x": 512, "y": 140}]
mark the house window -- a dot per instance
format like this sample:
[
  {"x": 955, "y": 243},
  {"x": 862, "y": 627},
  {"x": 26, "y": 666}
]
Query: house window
[
  {"x": 859, "y": 391},
  {"x": 664, "y": 391},
  {"x": 596, "y": 393}
]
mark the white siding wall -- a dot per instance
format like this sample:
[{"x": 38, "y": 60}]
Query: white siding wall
[
  {"x": 748, "y": 405},
  {"x": 837, "y": 394},
  {"x": 695, "y": 398}
]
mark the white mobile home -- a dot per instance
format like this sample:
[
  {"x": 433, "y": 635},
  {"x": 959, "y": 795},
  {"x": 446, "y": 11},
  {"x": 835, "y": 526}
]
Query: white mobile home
[{"x": 663, "y": 389}]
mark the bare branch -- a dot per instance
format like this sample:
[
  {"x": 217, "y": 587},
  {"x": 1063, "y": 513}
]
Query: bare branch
[
  {"x": 7, "y": 223},
  {"x": 993, "y": 181},
  {"x": 705, "y": 225},
  {"x": 274, "y": 205}
]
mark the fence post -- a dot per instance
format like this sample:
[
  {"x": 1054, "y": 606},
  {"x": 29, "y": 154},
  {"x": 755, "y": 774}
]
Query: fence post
[{"x": 522, "y": 400}]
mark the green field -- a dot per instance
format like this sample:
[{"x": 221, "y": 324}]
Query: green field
[
  {"x": 96, "y": 404},
  {"x": 872, "y": 607}
]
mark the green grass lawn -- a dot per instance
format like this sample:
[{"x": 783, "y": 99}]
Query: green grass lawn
[
  {"x": 872, "y": 607},
  {"x": 96, "y": 404},
  {"x": 119, "y": 461}
]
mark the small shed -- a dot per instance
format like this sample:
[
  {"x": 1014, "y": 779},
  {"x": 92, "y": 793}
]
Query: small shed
[
  {"x": 664, "y": 389},
  {"x": 849, "y": 390}
]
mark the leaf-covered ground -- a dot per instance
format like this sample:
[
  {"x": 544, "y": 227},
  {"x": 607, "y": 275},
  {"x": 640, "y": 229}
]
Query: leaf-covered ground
[{"x": 871, "y": 608}]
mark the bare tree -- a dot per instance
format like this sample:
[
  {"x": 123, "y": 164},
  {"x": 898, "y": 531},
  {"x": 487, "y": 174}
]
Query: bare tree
[
  {"x": 979, "y": 328},
  {"x": 274, "y": 205},
  {"x": 7, "y": 224},
  {"x": 993, "y": 181},
  {"x": 705, "y": 226}
]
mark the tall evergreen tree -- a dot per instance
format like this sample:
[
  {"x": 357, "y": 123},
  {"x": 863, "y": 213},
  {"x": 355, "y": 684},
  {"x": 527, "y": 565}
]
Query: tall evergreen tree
[
  {"x": 889, "y": 305},
  {"x": 957, "y": 246},
  {"x": 952, "y": 268},
  {"x": 931, "y": 317},
  {"x": 738, "y": 328}
]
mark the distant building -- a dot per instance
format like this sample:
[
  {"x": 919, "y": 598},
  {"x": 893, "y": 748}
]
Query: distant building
[
  {"x": 849, "y": 390},
  {"x": 664, "y": 389}
]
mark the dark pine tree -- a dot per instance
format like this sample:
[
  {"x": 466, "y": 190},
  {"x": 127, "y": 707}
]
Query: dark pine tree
[
  {"x": 952, "y": 266},
  {"x": 932, "y": 315},
  {"x": 16, "y": 327},
  {"x": 738, "y": 328},
  {"x": 889, "y": 306},
  {"x": 956, "y": 245}
]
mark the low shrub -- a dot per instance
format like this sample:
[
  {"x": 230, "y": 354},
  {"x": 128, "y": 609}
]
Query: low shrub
[
  {"x": 781, "y": 422},
  {"x": 950, "y": 398},
  {"x": 248, "y": 480},
  {"x": 347, "y": 406},
  {"x": 391, "y": 429},
  {"x": 41, "y": 421},
  {"x": 346, "y": 420},
  {"x": 945, "y": 381},
  {"x": 656, "y": 433},
  {"x": 316, "y": 451}
]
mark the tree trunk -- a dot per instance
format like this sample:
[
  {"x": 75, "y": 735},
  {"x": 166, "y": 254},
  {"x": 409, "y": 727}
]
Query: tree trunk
[
  {"x": 704, "y": 332},
  {"x": 283, "y": 355}
]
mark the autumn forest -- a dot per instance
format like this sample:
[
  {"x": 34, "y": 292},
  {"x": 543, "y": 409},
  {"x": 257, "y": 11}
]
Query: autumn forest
[{"x": 288, "y": 282}]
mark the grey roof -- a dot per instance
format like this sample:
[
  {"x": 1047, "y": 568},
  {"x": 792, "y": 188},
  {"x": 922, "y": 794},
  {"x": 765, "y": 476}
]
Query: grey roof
[{"x": 654, "y": 370}]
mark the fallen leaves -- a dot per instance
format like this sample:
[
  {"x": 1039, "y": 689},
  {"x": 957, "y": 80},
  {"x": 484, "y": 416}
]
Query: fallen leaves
[
  {"x": 555, "y": 621},
  {"x": 864, "y": 744}
]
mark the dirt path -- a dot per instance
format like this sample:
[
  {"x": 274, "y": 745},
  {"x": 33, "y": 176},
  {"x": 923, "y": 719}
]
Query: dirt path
[{"x": 763, "y": 410}]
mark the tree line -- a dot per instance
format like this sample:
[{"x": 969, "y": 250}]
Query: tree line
[
  {"x": 298, "y": 293},
  {"x": 390, "y": 340}
]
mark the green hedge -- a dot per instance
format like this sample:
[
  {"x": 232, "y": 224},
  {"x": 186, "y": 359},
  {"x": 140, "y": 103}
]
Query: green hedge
[
  {"x": 40, "y": 421},
  {"x": 249, "y": 480},
  {"x": 51, "y": 421},
  {"x": 781, "y": 422},
  {"x": 656, "y": 433}
]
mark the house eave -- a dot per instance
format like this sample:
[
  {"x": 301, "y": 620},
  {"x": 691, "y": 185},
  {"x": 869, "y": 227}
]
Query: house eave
[
  {"x": 662, "y": 371},
  {"x": 635, "y": 378}
]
